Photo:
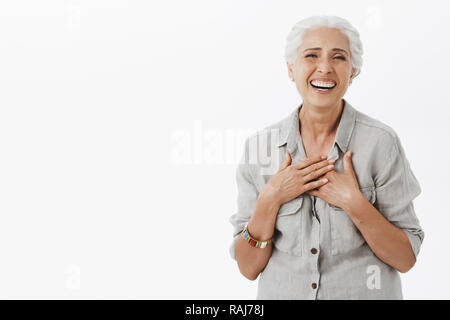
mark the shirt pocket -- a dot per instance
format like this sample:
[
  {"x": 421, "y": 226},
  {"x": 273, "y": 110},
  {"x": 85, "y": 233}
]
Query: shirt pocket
[
  {"x": 287, "y": 234},
  {"x": 345, "y": 236}
]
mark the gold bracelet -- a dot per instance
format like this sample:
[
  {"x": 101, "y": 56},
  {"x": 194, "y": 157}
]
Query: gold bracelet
[{"x": 253, "y": 242}]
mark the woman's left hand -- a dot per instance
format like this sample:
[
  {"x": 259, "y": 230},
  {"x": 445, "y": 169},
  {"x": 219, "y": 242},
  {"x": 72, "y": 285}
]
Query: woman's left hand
[{"x": 341, "y": 187}]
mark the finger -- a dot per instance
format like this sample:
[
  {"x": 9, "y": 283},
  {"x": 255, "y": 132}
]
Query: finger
[
  {"x": 318, "y": 173},
  {"x": 313, "y": 193},
  {"x": 286, "y": 162},
  {"x": 306, "y": 162},
  {"x": 315, "y": 184},
  {"x": 347, "y": 163},
  {"x": 316, "y": 166}
]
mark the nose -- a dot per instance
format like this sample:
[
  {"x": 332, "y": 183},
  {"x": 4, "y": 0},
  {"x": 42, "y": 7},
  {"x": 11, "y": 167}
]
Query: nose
[{"x": 324, "y": 65}]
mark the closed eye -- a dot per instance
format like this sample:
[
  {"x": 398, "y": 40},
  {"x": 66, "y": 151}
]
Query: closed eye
[{"x": 315, "y": 56}]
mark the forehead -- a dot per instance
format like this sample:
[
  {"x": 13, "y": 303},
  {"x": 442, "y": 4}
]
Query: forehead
[{"x": 325, "y": 38}]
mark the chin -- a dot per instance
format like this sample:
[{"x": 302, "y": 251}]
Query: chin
[{"x": 324, "y": 101}]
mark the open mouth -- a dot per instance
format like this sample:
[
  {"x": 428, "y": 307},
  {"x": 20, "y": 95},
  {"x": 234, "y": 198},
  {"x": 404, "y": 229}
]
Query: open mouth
[{"x": 323, "y": 86}]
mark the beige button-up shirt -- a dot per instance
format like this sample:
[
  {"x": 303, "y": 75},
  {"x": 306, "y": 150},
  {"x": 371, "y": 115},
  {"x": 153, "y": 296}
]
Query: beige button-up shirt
[{"x": 318, "y": 253}]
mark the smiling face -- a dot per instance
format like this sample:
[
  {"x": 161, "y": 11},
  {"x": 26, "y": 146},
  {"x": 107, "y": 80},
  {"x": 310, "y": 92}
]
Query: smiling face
[{"x": 323, "y": 69}]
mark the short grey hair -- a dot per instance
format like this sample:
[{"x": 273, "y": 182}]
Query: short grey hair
[{"x": 294, "y": 38}]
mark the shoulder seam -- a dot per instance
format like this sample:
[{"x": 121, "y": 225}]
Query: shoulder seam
[{"x": 389, "y": 131}]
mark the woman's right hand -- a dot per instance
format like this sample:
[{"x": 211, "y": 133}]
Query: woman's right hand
[{"x": 290, "y": 181}]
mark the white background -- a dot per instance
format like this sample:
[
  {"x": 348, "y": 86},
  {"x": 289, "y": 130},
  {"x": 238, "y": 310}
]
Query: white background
[{"x": 121, "y": 124}]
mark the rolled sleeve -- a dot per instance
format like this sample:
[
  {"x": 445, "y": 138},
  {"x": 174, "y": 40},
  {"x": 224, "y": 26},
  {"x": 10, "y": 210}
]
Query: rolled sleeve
[
  {"x": 396, "y": 188},
  {"x": 246, "y": 198}
]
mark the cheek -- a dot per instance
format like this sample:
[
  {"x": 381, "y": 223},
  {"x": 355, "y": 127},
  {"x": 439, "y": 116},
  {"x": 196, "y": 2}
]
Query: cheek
[
  {"x": 344, "y": 76},
  {"x": 304, "y": 74},
  {"x": 305, "y": 67},
  {"x": 344, "y": 71}
]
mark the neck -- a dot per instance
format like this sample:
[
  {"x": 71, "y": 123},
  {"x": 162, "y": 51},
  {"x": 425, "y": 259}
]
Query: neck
[{"x": 318, "y": 123}]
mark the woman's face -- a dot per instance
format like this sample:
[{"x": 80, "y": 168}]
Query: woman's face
[{"x": 323, "y": 69}]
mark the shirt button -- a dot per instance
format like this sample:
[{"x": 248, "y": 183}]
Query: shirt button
[
  {"x": 313, "y": 250},
  {"x": 314, "y": 285}
]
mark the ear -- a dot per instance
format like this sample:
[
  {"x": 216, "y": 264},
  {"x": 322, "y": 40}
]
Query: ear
[
  {"x": 290, "y": 70},
  {"x": 352, "y": 75}
]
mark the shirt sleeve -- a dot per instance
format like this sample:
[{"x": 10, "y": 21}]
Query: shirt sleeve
[
  {"x": 396, "y": 188},
  {"x": 246, "y": 198}
]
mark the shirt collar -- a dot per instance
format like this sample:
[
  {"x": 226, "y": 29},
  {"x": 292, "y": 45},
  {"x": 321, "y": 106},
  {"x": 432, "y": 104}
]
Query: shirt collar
[{"x": 290, "y": 130}]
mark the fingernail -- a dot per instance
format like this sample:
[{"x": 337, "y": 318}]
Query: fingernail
[{"x": 323, "y": 157}]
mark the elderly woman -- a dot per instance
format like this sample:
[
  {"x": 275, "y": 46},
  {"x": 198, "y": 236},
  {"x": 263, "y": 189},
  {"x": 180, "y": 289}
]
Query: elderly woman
[{"x": 335, "y": 219}]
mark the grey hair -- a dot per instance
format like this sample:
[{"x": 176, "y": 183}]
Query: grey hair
[{"x": 294, "y": 38}]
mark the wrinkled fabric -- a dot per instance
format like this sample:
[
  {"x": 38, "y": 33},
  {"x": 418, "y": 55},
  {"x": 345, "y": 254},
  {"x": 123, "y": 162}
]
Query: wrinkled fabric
[{"x": 344, "y": 266}]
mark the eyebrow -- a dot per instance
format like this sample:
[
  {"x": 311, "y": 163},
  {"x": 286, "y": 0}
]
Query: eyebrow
[{"x": 334, "y": 49}]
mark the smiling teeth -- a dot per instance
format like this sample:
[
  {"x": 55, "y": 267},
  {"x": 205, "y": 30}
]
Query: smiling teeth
[{"x": 322, "y": 84}]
